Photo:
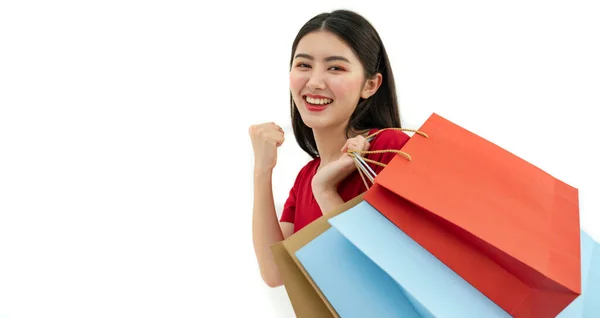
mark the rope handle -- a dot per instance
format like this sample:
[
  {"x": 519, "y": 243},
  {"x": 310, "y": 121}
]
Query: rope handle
[
  {"x": 353, "y": 153},
  {"x": 360, "y": 161},
  {"x": 371, "y": 136},
  {"x": 400, "y": 129}
]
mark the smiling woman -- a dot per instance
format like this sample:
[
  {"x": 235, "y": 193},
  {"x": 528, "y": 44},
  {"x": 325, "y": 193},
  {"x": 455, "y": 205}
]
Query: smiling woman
[
  {"x": 330, "y": 73},
  {"x": 342, "y": 89}
]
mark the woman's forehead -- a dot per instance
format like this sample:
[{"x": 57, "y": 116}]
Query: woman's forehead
[{"x": 321, "y": 45}]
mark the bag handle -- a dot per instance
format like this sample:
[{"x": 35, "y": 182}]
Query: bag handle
[
  {"x": 400, "y": 129},
  {"x": 361, "y": 162}
]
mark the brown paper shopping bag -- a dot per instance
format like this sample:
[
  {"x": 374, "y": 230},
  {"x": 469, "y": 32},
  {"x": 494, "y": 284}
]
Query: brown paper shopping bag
[{"x": 306, "y": 298}]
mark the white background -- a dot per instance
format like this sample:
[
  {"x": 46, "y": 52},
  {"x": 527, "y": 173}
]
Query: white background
[{"x": 115, "y": 114}]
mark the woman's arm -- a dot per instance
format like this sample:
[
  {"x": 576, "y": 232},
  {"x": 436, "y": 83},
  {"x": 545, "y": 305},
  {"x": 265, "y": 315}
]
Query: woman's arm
[
  {"x": 266, "y": 229},
  {"x": 325, "y": 182},
  {"x": 327, "y": 198}
]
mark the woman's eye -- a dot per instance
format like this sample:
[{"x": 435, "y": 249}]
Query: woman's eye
[{"x": 331, "y": 68}]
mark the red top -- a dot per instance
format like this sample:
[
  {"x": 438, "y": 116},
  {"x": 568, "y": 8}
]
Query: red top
[{"x": 301, "y": 208}]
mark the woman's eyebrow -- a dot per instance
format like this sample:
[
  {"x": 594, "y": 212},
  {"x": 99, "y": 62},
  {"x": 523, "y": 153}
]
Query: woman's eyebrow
[{"x": 327, "y": 59}]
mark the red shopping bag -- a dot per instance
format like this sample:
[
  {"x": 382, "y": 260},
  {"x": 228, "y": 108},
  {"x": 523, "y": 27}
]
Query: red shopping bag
[{"x": 504, "y": 225}]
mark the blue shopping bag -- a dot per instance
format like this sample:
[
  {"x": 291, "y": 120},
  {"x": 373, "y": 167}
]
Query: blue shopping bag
[
  {"x": 587, "y": 305},
  {"x": 367, "y": 267}
]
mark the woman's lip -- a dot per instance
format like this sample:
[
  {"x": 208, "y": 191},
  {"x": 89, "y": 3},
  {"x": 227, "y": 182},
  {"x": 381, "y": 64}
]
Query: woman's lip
[
  {"x": 317, "y": 96},
  {"x": 313, "y": 108}
]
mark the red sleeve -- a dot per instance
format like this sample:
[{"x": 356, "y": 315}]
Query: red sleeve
[
  {"x": 385, "y": 140},
  {"x": 289, "y": 208}
]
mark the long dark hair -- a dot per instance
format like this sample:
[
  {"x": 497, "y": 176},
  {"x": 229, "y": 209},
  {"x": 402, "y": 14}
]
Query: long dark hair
[{"x": 380, "y": 110}]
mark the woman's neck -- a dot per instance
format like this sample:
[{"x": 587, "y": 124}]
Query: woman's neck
[{"x": 330, "y": 142}]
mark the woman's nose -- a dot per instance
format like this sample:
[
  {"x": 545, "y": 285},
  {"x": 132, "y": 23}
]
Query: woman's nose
[{"x": 316, "y": 81}]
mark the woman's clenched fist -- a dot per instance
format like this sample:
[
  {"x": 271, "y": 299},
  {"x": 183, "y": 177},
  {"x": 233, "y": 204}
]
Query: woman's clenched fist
[{"x": 266, "y": 138}]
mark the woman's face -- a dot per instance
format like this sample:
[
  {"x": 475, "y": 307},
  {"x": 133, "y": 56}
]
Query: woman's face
[{"x": 327, "y": 80}]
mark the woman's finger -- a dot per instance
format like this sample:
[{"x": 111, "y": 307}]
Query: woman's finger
[
  {"x": 346, "y": 145},
  {"x": 366, "y": 145}
]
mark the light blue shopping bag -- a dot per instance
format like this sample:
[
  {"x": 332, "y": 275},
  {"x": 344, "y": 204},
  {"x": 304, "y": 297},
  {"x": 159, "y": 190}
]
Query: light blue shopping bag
[
  {"x": 587, "y": 305},
  {"x": 366, "y": 267}
]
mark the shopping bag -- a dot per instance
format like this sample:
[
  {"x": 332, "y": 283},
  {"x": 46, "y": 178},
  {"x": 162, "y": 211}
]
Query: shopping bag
[
  {"x": 367, "y": 267},
  {"x": 587, "y": 305},
  {"x": 305, "y": 297},
  {"x": 305, "y": 300},
  {"x": 504, "y": 225}
]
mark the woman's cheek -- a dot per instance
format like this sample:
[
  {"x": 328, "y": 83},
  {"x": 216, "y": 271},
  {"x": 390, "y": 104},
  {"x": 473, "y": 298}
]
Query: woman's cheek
[
  {"x": 345, "y": 87},
  {"x": 297, "y": 82}
]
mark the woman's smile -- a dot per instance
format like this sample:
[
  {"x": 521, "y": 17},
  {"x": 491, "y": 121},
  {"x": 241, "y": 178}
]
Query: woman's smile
[{"x": 316, "y": 103}]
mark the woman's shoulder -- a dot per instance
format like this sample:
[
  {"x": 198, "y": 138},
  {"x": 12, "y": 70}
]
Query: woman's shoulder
[{"x": 388, "y": 138}]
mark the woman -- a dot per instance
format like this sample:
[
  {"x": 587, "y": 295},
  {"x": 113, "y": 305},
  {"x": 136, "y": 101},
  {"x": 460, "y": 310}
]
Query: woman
[{"x": 342, "y": 90}]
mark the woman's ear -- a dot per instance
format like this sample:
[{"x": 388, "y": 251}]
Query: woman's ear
[{"x": 371, "y": 86}]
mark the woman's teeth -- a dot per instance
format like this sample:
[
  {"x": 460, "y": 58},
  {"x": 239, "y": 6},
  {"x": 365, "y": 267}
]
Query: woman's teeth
[{"x": 319, "y": 101}]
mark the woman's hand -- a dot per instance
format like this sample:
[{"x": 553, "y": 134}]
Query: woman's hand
[
  {"x": 328, "y": 177},
  {"x": 266, "y": 138}
]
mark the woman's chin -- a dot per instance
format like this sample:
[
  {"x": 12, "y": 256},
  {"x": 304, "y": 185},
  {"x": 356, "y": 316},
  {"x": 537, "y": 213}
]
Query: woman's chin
[{"x": 319, "y": 123}]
